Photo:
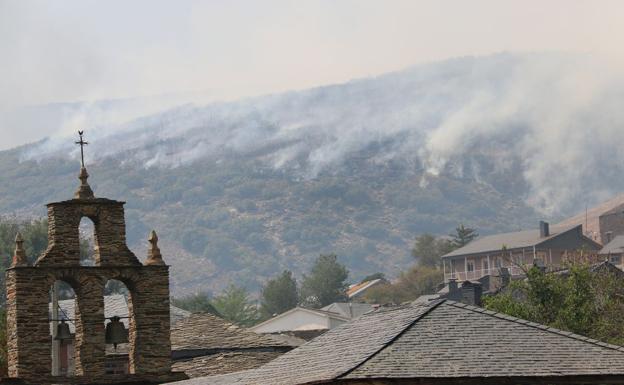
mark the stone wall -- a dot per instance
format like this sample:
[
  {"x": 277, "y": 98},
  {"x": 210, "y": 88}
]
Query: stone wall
[
  {"x": 29, "y": 339},
  {"x": 110, "y": 233}
]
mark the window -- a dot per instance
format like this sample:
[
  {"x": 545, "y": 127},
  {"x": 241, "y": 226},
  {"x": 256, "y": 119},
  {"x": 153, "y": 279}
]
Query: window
[
  {"x": 86, "y": 236},
  {"x": 609, "y": 236},
  {"x": 62, "y": 315},
  {"x": 117, "y": 299},
  {"x": 470, "y": 266},
  {"x": 615, "y": 259},
  {"x": 498, "y": 263},
  {"x": 485, "y": 264}
]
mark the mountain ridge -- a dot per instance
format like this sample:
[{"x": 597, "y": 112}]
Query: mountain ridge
[{"x": 238, "y": 191}]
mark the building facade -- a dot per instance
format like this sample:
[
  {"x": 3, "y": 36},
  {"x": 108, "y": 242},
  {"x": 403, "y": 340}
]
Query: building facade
[
  {"x": 519, "y": 250},
  {"x": 611, "y": 224}
]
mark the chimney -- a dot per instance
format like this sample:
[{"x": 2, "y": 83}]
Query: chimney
[
  {"x": 452, "y": 283},
  {"x": 544, "y": 229},
  {"x": 539, "y": 264},
  {"x": 505, "y": 276},
  {"x": 471, "y": 293}
]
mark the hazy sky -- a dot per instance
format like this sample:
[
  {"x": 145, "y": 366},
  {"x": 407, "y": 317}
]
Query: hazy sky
[{"x": 59, "y": 51}]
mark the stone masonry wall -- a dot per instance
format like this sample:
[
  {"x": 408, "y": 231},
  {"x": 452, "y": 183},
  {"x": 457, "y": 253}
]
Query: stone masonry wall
[
  {"x": 29, "y": 340},
  {"x": 110, "y": 233}
]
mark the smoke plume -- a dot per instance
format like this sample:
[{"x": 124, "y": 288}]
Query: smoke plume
[{"x": 555, "y": 118}]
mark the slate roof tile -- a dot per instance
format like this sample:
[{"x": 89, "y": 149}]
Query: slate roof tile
[
  {"x": 224, "y": 362},
  {"x": 206, "y": 331},
  {"x": 440, "y": 339}
]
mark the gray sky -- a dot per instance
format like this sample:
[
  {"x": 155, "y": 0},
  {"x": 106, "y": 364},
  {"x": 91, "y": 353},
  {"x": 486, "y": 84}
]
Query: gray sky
[{"x": 60, "y": 51}]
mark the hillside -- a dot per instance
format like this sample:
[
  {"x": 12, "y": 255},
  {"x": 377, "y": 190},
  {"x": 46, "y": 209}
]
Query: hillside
[{"x": 239, "y": 191}]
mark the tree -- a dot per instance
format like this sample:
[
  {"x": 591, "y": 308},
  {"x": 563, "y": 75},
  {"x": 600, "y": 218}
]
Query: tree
[
  {"x": 234, "y": 305},
  {"x": 279, "y": 295},
  {"x": 326, "y": 283},
  {"x": 372, "y": 277},
  {"x": 583, "y": 301},
  {"x": 428, "y": 250},
  {"x": 196, "y": 303},
  {"x": 410, "y": 285},
  {"x": 463, "y": 236}
]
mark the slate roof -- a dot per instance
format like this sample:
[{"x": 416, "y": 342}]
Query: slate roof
[
  {"x": 331, "y": 354},
  {"x": 224, "y": 362},
  {"x": 206, "y": 331},
  {"x": 615, "y": 210},
  {"x": 348, "y": 310},
  {"x": 616, "y": 246},
  {"x": 177, "y": 314},
  {"x": 441, "y": 345},
  {"x": 439, "y": 339},
  {"x": 515, "y": 240},
  {"x": 204, "y": 344}
]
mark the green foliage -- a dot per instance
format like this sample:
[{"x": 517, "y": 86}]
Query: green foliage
[
  {"x": 35, "y": 235},
  {"x": 582, "y": 301},
  {"x": 279, "y": 295},
  {"x": 372, "y": 277},
  {"x": 235, "y": 212},
  {"x": 410, "y": 285},
  {"x": 196, "y": 303},
  {"x": 428, "y": 250},
  {"x": 326, "y": 282},
  {"x": 463, "y": 236},
  {"x": 234, "y": 305}
]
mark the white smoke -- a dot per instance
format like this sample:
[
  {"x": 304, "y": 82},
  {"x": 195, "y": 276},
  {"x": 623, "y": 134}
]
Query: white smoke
[{"x": 559, "y": 115}]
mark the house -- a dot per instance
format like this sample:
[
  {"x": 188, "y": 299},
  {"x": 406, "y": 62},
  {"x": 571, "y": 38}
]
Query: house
[
  {"x": 348, "y": 310},
  {"x": 356, "y": 291},
  {"x": 604, "y": 267},
  {"x": 517, "y": 251},
  {"x": 438, "y": 342},
  {"x": 611, "y": 224},
  {"x": 308, "y": 323},
  {"x": 613, "y": 251},
  {"x": 203, "y": 344}
]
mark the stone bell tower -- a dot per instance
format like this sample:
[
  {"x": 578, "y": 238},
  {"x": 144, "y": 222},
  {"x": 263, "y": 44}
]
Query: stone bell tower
[{"x": 29, "y": 339}]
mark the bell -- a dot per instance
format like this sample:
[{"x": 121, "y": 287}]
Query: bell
[
  {"x": 62, "y": 332},
  {"x": 116, "y": 332}
]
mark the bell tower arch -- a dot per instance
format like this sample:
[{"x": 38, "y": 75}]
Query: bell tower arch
[{"x": 28, "y": 314}]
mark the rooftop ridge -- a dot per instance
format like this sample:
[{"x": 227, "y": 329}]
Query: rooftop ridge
[
  {"x": 430, "y": 306},
  {"x": 534, "y": 325},
  {"x": 486, "y": 247}
]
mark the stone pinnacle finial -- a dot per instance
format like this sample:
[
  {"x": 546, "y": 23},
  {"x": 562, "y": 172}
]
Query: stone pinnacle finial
[
  {"x": 19, "y": 257},
  {"x": 84, "y": 191},
  {"x": 153, "y": 254}
]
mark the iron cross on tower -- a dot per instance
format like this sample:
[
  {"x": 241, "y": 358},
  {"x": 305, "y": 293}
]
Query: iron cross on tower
[{"x": 82, "y": 143}]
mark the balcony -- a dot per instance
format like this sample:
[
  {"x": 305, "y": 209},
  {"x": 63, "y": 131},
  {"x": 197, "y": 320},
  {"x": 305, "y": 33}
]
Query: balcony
[{"x": 476, "y": 274}]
